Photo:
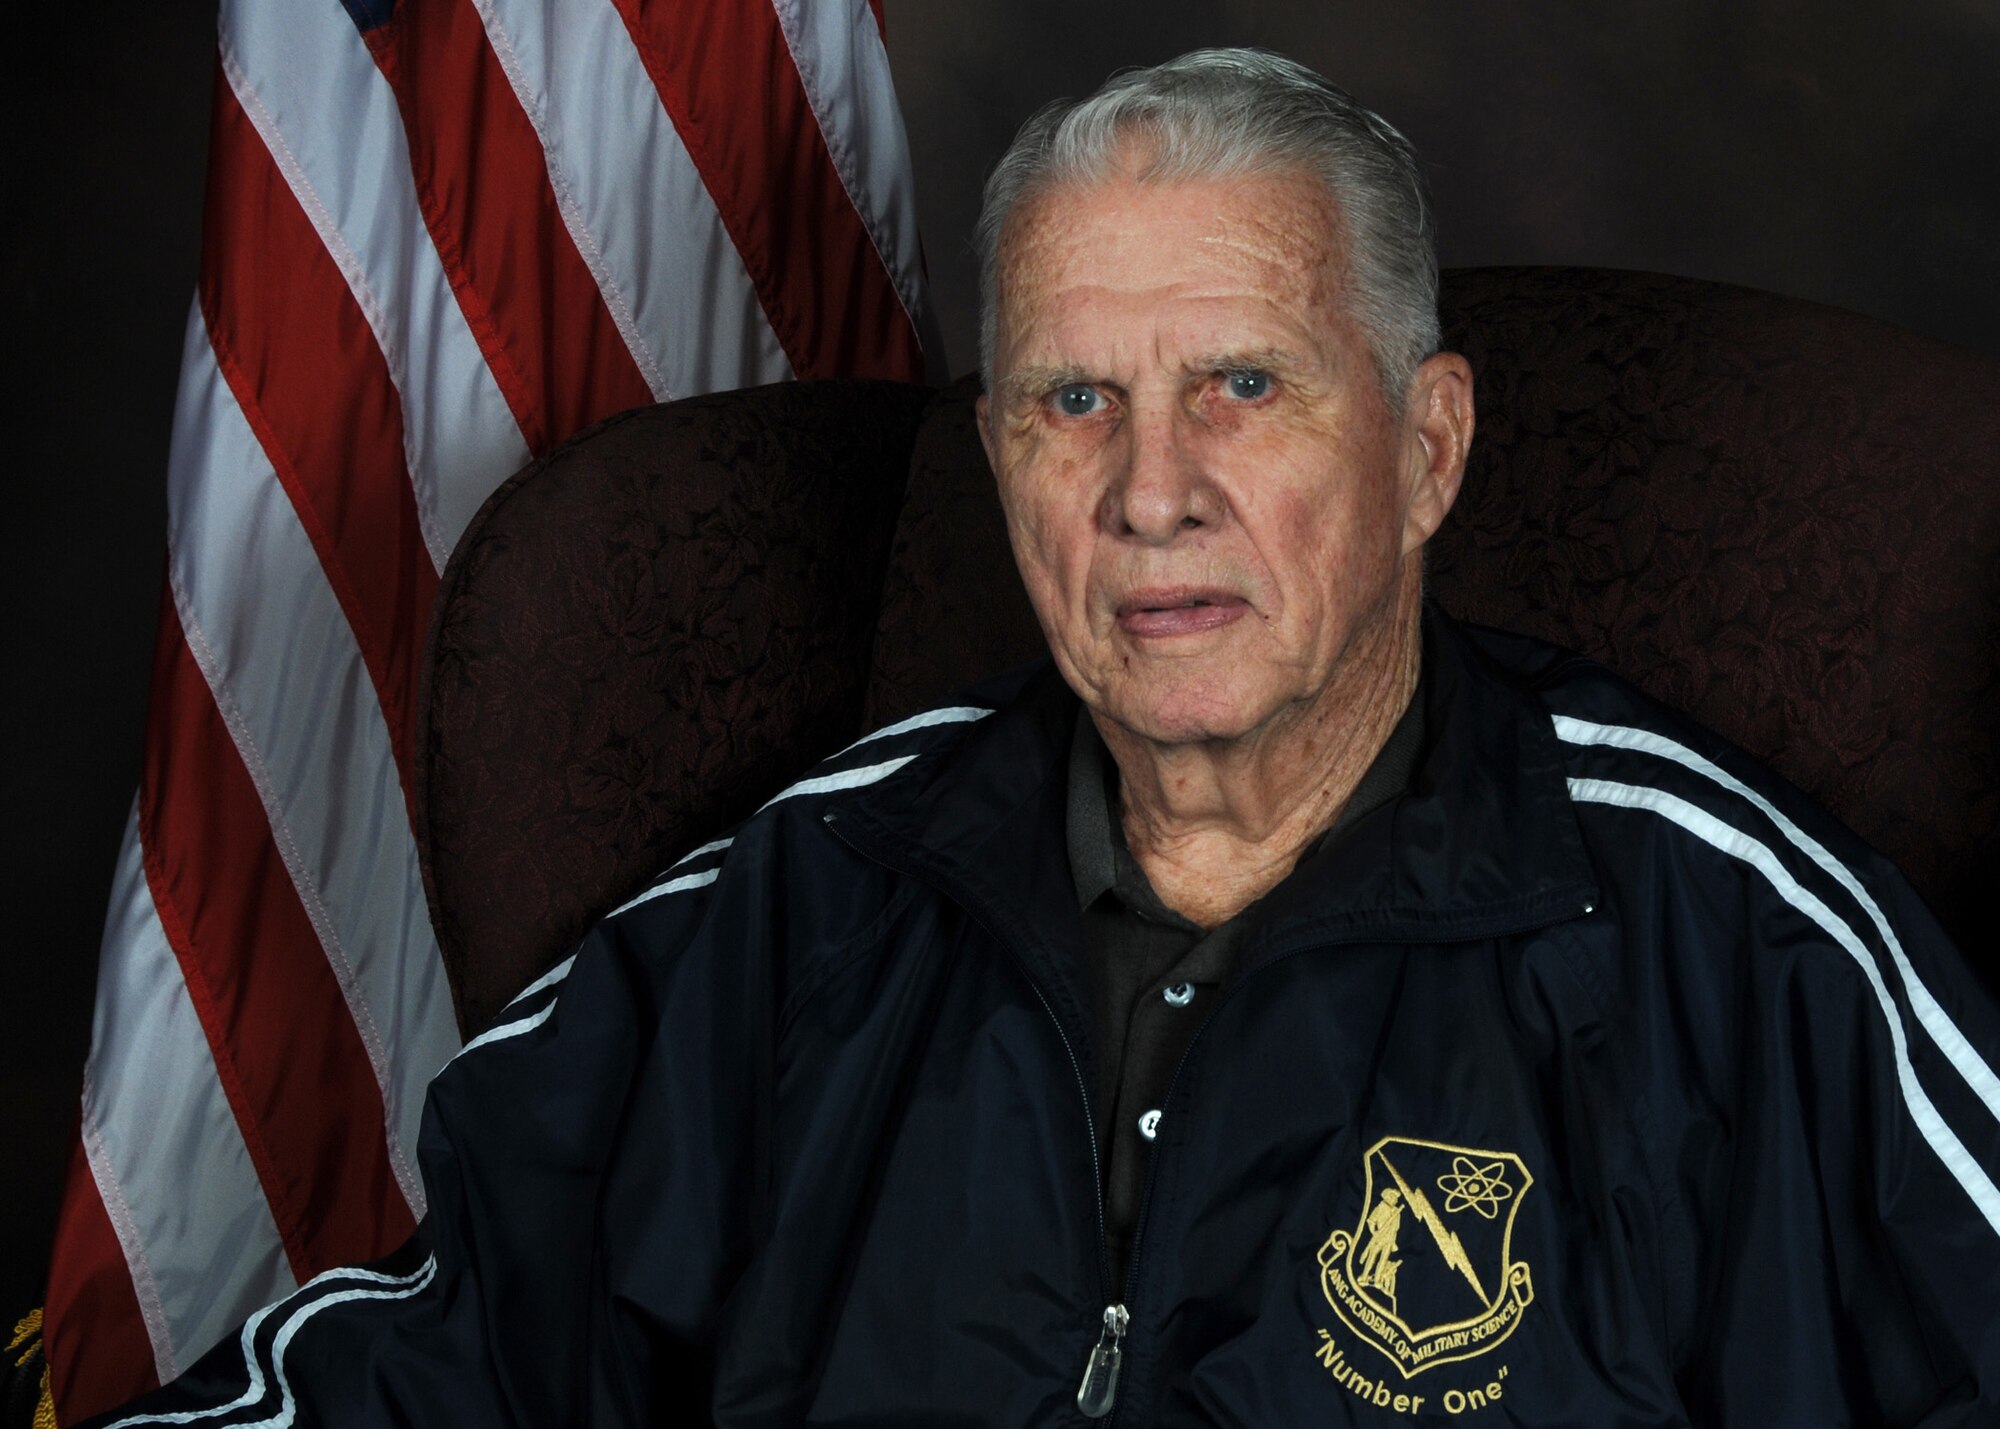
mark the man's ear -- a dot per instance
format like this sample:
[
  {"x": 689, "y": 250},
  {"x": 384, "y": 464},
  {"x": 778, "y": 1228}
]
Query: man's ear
[
  {"x": 1440, "y": 414},
  {"x": 982, "y": 412}
]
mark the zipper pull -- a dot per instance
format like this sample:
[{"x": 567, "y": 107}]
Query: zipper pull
[{"x": 1099, "y": 1389}]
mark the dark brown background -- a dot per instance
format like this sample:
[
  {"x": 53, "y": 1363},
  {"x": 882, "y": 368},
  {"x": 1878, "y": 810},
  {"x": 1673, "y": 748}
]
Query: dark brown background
[{"x": 1828, "y": 150}]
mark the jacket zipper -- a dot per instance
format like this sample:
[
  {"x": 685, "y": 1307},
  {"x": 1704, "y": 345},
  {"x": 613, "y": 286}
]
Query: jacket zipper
[
  {"x": 1097, "y": 1395},
  {"x": 1089, "y": 1123},
  {"x": 1109, "y": 1347}
]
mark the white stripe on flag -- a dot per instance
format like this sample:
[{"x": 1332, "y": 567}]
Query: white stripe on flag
[
  {"x": 349, "y": 264},
  {"x": 837, "y": 47},
  {"x": 530, "y": 88},
  {"x": 324, "y": 100},
  {"x": 633, "y": 198},
  {"x": 271, "y": 640},
  {"x": 1729, "y": 839},
  {"x": 288, "y": 679},
  {"x": 207, "y": 1252}
]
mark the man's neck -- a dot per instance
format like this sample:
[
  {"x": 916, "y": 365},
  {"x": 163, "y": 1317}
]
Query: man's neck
[{"x": 1217, "y": 825}]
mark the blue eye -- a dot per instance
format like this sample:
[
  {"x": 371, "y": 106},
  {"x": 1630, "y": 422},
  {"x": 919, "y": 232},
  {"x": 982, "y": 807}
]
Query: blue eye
[
  {"x": 1249, "y": 384},
  {"x": 1077, "y": 399}
]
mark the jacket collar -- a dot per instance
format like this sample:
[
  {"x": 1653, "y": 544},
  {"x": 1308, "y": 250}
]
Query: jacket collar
[{"x": 1482, "y": 844}]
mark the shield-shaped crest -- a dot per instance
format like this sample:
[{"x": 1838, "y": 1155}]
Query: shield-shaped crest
[{"x": 1428, "y": 1275}]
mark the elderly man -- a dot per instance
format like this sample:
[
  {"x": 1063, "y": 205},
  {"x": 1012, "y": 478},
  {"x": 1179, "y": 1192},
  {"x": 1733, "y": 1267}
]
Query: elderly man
[{"x": 1289, "y": 1008}]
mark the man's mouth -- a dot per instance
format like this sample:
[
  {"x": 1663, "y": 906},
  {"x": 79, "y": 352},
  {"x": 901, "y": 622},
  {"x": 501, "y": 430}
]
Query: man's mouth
[{"x": 1180, "y": 611}]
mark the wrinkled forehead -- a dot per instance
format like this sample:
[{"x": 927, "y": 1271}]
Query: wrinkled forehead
[
  {"x": 1278, "y": 208},
  {"x": 1273, "y": 233}
]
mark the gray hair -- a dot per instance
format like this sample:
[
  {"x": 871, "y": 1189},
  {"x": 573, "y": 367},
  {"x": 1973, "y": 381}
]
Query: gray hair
[{"x": 1226, "y": 113}]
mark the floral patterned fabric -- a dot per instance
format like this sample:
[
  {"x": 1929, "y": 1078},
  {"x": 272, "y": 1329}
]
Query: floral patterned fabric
[
  {"x": 1780, "y": 517},
  {"x": 638, "y": 640}
]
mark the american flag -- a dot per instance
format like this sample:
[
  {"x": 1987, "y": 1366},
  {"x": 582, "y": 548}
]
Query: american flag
[{"x": 440, "y": 237}]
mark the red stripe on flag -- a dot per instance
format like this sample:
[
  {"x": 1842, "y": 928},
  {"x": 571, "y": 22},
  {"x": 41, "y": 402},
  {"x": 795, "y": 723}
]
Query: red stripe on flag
[
  {"x": 727, "y": 78},
  {"x": 286, "y": 1050},
  {"x": 304, "y": 366},
  {"x": 881, "y": 20},
  {"x": 94, "y": 1337},
  {"x": 484, "y": 189}
]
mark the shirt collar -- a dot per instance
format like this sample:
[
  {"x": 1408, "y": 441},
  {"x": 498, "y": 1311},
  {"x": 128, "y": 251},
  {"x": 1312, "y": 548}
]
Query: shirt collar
[{"x": 1093, "y": 848}]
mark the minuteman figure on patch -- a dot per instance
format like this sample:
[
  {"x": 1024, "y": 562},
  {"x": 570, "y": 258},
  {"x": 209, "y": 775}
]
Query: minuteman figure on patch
[{"x": 1384, "y": 1222}]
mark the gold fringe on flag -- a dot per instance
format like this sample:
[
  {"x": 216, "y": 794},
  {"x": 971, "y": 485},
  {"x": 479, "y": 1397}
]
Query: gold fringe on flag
[
  {"x": 27, "y": 1342},
  {"x": 27, "y": 1336}
]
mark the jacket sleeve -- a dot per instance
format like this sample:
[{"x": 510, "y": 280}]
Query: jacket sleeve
[
  {"x": 1838, "y": 1171},
  {"x": 588, "y": 1162}
]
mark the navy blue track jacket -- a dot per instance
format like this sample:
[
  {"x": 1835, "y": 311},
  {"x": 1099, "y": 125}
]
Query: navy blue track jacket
[{"x": 1599, "y": 1080}]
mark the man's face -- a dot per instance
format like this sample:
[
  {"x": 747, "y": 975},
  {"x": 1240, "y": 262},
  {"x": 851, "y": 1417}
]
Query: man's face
[{"x": 1212, "y": 506}]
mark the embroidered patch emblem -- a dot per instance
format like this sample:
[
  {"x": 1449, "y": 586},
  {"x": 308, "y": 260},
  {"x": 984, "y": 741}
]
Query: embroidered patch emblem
[{"x": 1428, "y": 1275}]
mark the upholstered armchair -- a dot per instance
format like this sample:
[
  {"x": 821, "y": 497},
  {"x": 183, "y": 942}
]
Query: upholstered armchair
[{"x": 1782, "y": 518}]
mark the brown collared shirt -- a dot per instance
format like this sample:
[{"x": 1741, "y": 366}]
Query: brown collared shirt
[{"x": 1152, "y": 973}]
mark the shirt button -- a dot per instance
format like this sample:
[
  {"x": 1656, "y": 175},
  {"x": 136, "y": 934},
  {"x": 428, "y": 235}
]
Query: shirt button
[
  {"x": 1149, "y": 1124},
  {"x": 1179, "y": 995}
]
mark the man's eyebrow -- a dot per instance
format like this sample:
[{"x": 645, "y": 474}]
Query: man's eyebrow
[
  {"x": 1276, "y": 359},
  {"x": 1027, "y": 383}
]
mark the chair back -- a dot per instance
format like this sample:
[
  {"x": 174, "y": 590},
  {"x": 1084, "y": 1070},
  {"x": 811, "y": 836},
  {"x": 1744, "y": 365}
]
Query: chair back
[
  {"x": 1782, "y": 518},
  {"x": 638, "y": 639}
]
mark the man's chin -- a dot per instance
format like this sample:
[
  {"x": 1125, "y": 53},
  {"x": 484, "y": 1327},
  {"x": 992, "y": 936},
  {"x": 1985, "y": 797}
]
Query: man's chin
[{"x": 1186, "y": 716}]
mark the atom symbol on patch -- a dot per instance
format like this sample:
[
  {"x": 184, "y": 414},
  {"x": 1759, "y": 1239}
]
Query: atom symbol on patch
[{"x": 1480, "y": 1188}]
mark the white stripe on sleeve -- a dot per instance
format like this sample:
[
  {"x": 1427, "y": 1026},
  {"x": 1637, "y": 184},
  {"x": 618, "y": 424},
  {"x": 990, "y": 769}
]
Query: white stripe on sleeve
[
  {"x": 820, "y": 784},
  {"x": 312, "y": 1297},
  {"x": 1934, "y": 1019},
  {"x": 954, "y": 714},
  {"x": 1734, "y": 842},
  {"x": 548, "y": 979},
  {"x": 501, "y": 1031},
  {"x": 714, "y": 846},
  {"x": 660, "y": 890},
  {"x": 505, "y": 1030},
  {"x": 845, "y": 779}
]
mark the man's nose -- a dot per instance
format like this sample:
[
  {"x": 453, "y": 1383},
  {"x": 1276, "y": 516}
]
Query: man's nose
[{"x": 1162, "y": 487}]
